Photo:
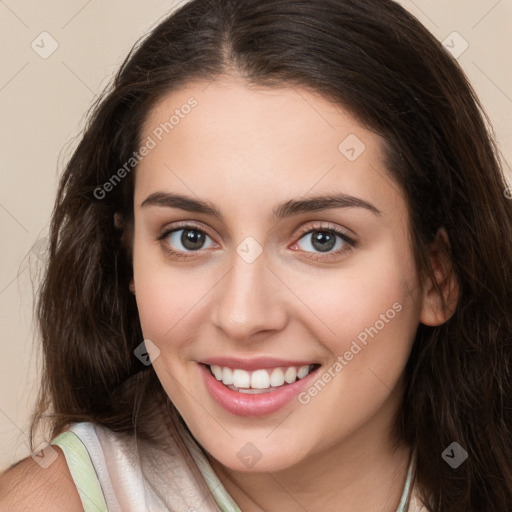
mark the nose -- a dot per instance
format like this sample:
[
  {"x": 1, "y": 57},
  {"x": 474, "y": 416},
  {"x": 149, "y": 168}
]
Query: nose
[{"x": 250, "y": 299}]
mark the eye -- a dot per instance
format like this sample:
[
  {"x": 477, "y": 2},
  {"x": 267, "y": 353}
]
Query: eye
[
  {"x": 185, "y": 239},
  {"x": 325, "y": 242}
]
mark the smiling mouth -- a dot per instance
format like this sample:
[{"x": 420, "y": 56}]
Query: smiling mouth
[{"x": 260, "y": 381}]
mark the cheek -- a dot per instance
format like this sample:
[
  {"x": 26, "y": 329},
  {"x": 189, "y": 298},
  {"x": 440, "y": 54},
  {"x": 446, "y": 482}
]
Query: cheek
[
  {"x": 160, "y": 297},
  {"x": 374, "y": 291},
  {"x": 167, "y": 305},
  {"x": 170, "y": 298},
  {"x": 372, "y": 321},
  {"x": 164, "y": 301}
]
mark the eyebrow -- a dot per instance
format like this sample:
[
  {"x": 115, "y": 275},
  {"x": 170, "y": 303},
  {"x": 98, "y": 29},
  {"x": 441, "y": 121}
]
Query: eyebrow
[{"x": 281, "y": 211}]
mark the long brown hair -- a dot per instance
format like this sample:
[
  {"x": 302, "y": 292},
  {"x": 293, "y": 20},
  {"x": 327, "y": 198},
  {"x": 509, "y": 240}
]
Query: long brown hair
[{"x": 376, "y": 60}]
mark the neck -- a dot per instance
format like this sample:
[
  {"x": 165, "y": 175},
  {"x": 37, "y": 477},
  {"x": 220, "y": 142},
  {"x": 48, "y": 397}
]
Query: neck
[{"x": 365, "y": 472}]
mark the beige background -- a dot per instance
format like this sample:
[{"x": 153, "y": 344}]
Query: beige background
[{"x": 43, "y": 103}]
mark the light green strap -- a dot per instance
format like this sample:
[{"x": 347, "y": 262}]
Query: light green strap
[
  {"x": 82, "y": 471},
  {"x": 403, "y": 506},
  {"x": 223, "y": 499},
  {"x": 226, "y": 502}
]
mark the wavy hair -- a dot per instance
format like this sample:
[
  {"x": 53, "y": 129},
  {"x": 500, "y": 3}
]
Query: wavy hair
[{"x": 376, "y": 60}]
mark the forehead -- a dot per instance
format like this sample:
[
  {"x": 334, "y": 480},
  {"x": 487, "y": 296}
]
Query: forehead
[{"x": 230, "y": 141}]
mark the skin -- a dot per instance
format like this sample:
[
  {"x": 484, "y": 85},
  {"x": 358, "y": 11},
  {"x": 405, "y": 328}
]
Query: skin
[
  {"x": 28, "y": 486},
  {"x": 245, "y": 150}
]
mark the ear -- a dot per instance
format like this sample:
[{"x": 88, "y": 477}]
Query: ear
[
  {"x": 439, "y": 306},
  {"x": 132, "y": 286}
]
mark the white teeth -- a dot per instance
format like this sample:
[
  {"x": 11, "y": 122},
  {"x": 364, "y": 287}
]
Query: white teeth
[
  {"x": 277, "y": 377},
  {"x": 217, "y": 371},
  {"x": 227, "y": 376},
  {"x": 241, "y": 379},
  {"x": 260, "y": 379},
  {"x": 303, "y": 371},
  {"x": 251, "y": 391},
  {"x": 251, "y": 382},
  {"x": 290, "y": 375}
]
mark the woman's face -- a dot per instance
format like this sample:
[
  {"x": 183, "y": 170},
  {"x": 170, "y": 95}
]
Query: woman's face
[{"x": 238, "y": 265}]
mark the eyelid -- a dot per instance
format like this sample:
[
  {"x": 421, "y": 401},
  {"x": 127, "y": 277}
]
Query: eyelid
[
  {"x": 325, "y": 226},
  {"x": 304, "y": 230},
  {"x": 167, "y": 229},
  {"x": 174, "y": 253},
  {"x": 348, "y": 240}
]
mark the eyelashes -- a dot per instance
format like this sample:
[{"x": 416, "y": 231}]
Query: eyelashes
[
  {"x": 333, "y": 235},
  {"x": 193, "y": 240}
]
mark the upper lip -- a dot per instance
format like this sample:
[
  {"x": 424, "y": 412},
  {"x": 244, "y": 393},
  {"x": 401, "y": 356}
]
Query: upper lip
[{"x": 256, "y": 363}]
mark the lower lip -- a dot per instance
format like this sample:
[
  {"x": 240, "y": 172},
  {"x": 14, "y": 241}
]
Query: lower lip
[{"x": 244, "y": 404}]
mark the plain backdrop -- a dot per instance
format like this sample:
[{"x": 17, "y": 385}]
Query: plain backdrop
[{"x": 43, "y": 101}]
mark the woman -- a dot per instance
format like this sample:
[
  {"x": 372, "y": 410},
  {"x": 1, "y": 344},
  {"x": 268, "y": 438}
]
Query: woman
[{"x": 290, "y": 247}]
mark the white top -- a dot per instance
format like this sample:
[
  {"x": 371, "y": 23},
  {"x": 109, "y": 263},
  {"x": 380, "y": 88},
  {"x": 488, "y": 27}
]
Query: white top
[{"x": 111, "y": 476}]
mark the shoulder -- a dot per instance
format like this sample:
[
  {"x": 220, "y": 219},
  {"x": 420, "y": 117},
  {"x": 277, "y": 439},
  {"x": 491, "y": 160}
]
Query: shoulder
[{"x": 27, "y": 486}]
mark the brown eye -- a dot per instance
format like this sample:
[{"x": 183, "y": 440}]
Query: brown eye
[
  {"x": 325, "y": 240},
  {"x": 186, "y": 239},
  {"x": 192, "y": 239}
]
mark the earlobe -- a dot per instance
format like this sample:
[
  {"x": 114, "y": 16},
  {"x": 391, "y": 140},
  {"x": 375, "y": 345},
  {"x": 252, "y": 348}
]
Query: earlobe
[
  {"x": 132, "y": 286},
  {"x": 440, "y": 302}
]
